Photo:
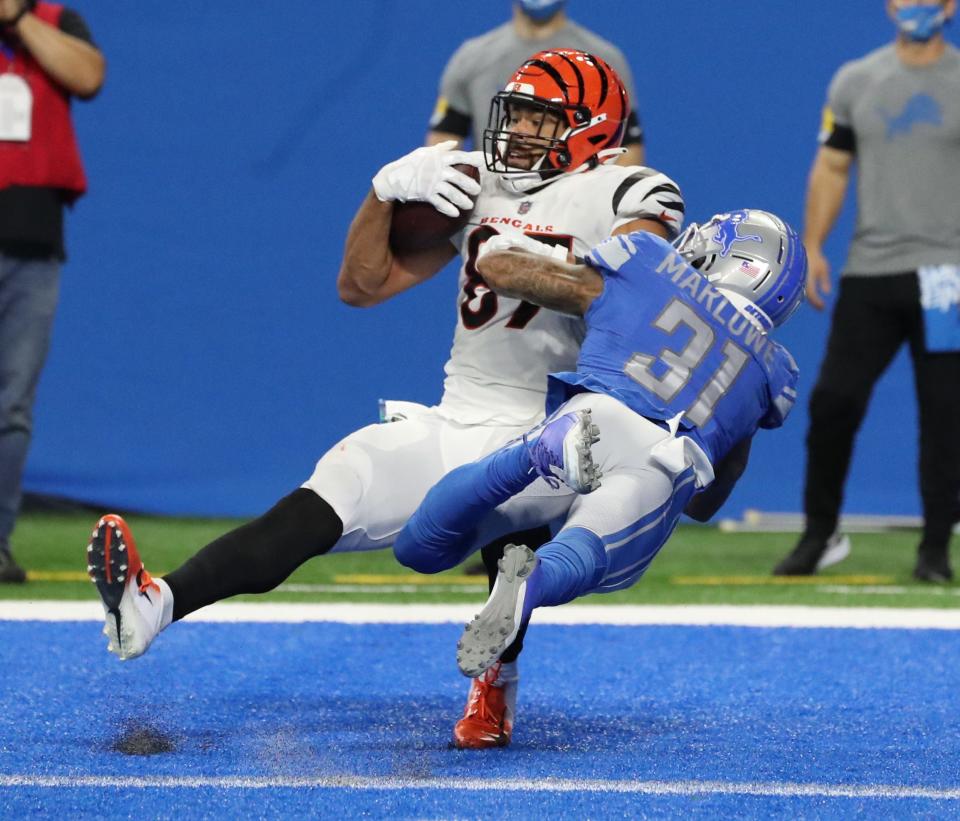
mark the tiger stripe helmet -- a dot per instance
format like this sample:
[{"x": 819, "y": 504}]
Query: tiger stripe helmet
[{"x": 582, "y": 90}]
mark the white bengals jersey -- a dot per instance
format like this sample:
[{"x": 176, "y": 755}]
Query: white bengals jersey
[{"x": 504, "y": 348}]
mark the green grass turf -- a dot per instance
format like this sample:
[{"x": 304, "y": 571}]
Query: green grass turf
[{"x": 700, "y": 565}]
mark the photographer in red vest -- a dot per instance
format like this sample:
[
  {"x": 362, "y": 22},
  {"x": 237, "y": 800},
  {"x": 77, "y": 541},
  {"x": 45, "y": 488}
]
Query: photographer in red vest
[{"x": 47, "y": 57}]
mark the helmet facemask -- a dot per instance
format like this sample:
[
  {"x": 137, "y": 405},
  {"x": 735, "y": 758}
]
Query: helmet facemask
[{"x": 537, "y": 152}]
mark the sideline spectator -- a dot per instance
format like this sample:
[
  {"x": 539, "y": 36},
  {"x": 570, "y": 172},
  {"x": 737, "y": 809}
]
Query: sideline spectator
[
  {"x": 46, "y": 57},
  {"x": 896, "y": 112}
]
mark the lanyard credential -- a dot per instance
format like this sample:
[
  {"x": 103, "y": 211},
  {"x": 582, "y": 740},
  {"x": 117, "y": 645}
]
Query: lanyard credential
[{"x": 16, "y": 101}]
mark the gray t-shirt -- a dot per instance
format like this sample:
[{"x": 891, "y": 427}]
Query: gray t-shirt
[
  {"x": 482, "y": 66},
  {"x": 905, "y": 122}
]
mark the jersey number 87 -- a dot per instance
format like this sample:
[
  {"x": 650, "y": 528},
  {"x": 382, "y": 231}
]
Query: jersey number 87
[{"x": 480, "y": 304}]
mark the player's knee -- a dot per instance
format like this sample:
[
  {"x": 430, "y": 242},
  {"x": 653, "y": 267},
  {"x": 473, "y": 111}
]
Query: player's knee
[
  {"x": 342, "y": 482},
  {"x": 420, "y": 548},
  {"x": 416, "y": 557},
  {"x": 307, "y": 515}
]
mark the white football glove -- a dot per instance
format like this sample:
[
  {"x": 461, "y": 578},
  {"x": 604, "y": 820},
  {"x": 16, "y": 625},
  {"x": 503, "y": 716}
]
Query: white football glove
[
  {"x": 521, "y": 242},
  {"x": 427, "y": 174}
]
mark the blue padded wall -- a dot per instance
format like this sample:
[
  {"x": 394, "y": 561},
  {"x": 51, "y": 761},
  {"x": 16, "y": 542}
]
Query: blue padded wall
[{"x": 202, "y": 361}]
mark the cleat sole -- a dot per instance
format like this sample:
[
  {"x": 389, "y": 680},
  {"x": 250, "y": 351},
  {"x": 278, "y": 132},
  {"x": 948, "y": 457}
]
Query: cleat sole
[{"x": 496, "y": 626}]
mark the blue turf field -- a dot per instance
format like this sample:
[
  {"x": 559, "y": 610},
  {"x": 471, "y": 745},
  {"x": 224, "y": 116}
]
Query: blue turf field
[{"x": 714, "y": 715}]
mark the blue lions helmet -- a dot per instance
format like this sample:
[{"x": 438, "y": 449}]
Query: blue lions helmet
[{"x": 754, "y": 258}]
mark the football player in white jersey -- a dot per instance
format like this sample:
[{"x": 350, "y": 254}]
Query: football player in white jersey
[{"x": 543, "y": 176}]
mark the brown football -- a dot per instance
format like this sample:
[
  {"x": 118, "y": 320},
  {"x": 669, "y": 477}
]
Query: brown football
[{"x": 417, "y": 226}]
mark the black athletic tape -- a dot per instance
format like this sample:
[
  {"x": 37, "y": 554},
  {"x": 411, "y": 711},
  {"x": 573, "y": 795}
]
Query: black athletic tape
[
  {"x": 842, "y": 138},
  {"x": 454, "y": 122}
]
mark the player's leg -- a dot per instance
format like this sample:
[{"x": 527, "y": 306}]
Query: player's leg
[
  {"x": 257, "y": 556},
  {"x": 937, "y": 378},
  {"x": 639, "y": 495},
  {"x": 358, "y": 497},
  {"x": 610, "y": 538},
  {"x": 866, "y": 331},
  {"x": 253, "y": 558},
  {"x": 490, "y": 712},
  {"x": 492, "y": 552},
  {"x": 444, "y": 529}
]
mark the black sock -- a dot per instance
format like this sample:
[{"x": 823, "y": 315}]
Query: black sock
[
  {"x": 259, "y": 555},
  {"x": 492, "y": 553}
]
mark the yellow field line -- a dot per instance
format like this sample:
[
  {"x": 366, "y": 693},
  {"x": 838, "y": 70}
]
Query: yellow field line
[
  {"x": 57, "y": 576},
  {"x": 743, "y": 581},
  {"x": 406, "y": 578}
]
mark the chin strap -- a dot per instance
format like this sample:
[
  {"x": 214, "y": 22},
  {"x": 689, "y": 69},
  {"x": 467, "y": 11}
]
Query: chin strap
[{"x": 609, "y": 155}]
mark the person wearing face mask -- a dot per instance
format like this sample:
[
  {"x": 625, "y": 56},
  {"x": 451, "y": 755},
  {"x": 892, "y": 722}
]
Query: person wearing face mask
[
  {"x": 481, "y": 65},
  {"x": 896, "y": 114}
]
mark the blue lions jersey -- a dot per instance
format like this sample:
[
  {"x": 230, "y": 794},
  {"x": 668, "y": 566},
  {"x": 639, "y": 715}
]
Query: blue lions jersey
[{"x": 665, "y": 342}]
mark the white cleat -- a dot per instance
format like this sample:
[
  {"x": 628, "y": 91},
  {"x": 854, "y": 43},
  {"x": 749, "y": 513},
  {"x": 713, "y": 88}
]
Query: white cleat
[
  {"x": 133, "y": 602},
  {"x": 561, "y": 451},
  {"x": 838, "y": 548},
  {"x": 505, "y": 613}
]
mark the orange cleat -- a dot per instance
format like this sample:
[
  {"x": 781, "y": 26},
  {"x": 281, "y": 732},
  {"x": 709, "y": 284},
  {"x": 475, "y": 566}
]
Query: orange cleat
[
  {"x": 488, "y": 718},
  {"x": 133, "y": 603}
]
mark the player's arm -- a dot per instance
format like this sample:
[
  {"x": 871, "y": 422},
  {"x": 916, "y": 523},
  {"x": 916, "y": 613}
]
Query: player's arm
[
  {"x": 826, "y": 190},
  {"x": 370, "y": 272},
  {"x": 650, "y": 225},
  {"x": 727, "y": 473},
  {"x": 550, "y": 283},
  {"x": 76, "y": 65}
]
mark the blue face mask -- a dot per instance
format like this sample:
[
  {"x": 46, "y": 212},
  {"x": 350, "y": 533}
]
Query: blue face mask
[
  {"x": 540, "y": 10},
  {"x": 921, "y": 22}
]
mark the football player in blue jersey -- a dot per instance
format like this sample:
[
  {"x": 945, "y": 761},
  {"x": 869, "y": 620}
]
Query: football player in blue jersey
[{"x": 676, "y": 374}]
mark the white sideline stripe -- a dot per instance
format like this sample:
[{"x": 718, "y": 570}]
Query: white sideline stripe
[
  {"x": 543, "y": 785},
  {"x": 625, "y": 615}
]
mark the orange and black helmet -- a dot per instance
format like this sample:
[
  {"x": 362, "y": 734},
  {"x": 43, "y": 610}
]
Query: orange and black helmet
[{"x": 582, "y": 90}]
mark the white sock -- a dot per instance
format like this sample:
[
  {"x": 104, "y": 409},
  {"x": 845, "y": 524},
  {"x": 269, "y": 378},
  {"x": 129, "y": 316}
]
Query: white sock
[
  {"x": 166, "y": 603},
  {"x": 509, "y": 671}
]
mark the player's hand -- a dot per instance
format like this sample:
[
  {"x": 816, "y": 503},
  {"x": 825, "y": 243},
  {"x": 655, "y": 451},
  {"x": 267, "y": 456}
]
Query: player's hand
[
  {"x": 427, "y": 174},
  {"x": 818, "y": 277},
  {"x": 521, "y": 242}
]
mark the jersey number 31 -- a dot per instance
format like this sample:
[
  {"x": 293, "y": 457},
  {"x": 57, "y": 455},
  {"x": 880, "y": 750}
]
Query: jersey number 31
[{"x": 681, "y": 364}]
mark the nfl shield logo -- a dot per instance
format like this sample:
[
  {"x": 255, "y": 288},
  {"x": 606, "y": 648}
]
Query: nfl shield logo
[{"x": 524, "y": 207}]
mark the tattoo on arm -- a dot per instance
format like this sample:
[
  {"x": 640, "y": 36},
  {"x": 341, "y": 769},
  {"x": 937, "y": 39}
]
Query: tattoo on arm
[{"x": 558, "y": 286}]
